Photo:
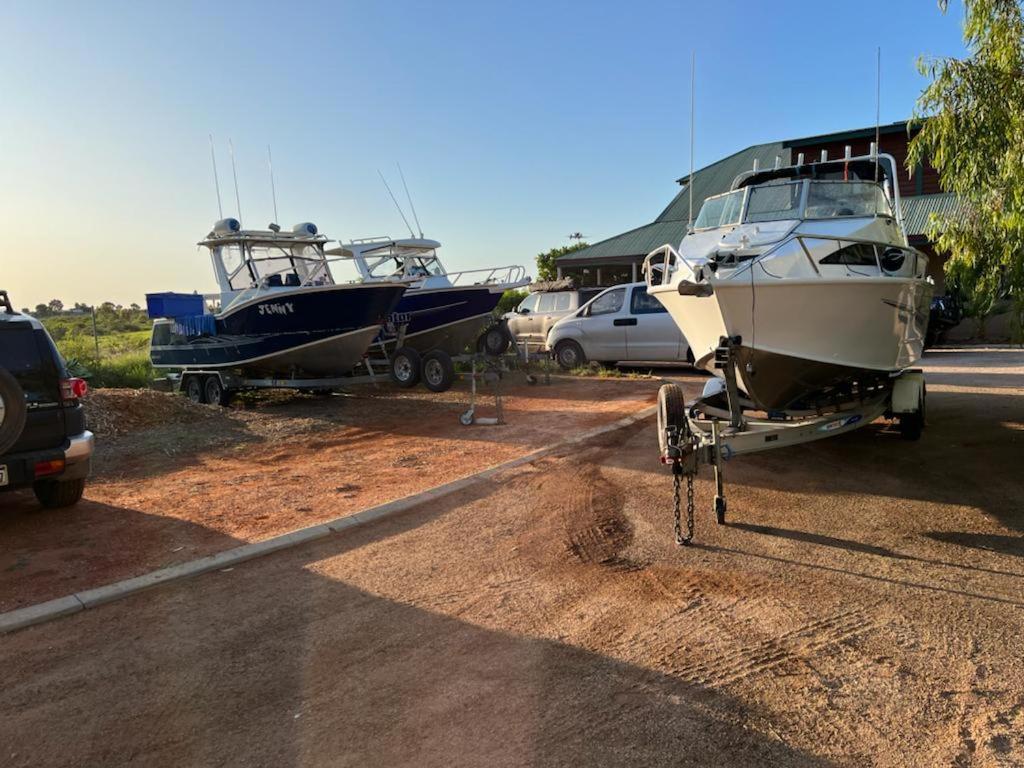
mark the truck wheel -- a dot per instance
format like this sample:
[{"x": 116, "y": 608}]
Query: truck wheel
[
  {"x": 13, "y": 410},
  {"x": 54, "y": 494},
  {"x": 438, "y": 371},
  {"x": 405, "y": 367},
  {"x": 194, "y": 389},
  {"x": 495, "y": 341},
  {"x": 569, "y": 355},
  {"x": 671, "y": 413},
  {"x": 215, "y": 392}
]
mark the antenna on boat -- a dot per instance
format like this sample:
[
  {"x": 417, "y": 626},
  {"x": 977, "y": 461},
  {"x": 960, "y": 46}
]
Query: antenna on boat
[
  {"x": 238, "y": 203},
  {"x": 693, "y": 77},
  {"x": 273, "y": 191},
  {"x": 216, "y": 181},
  {"x": 409, "y": 198},
  {"x": 878, "y": 106},
  {"x": 393, "y": 200}
]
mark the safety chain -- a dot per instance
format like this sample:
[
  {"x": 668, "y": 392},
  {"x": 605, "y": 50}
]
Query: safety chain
[{"x": 677, "y": 473}]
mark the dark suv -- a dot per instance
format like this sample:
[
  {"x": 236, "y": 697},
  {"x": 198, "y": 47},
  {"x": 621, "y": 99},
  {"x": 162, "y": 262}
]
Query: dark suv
[{"x": 43, "y": 439}]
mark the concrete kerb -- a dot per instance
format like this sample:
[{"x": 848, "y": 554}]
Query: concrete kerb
[{"x": 90, "y": 598}]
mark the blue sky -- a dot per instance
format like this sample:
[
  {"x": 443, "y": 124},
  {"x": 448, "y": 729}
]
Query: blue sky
[{"x": 515, "y": 123}]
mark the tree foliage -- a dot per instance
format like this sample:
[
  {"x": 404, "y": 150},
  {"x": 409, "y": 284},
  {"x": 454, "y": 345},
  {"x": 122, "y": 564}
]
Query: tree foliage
[
  {"x": 972, "y": 132},
  {"x": 547, "y": 263}
]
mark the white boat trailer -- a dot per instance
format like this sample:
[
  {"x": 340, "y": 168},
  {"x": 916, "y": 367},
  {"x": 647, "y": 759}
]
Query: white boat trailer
[{"x": 706, "y": 433}]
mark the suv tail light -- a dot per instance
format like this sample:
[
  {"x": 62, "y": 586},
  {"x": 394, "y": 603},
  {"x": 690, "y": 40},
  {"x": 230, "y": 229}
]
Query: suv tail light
[{"x": 72, "y": 389}]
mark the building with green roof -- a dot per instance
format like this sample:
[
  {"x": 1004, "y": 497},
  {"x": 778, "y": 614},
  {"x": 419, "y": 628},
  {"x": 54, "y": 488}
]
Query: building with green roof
[{"x": 617, "y": 259}]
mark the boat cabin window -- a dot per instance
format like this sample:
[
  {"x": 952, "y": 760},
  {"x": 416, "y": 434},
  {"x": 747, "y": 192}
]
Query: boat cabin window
[
  {"x": 828, "y": 199},
  {"x": 853, "y": 255},
  {"x": 774, "y": 201},
  {"x": 720, "y": 211}
]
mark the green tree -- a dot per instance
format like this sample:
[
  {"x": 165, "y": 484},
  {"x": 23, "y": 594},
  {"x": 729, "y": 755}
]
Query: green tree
[
  {"x": 56, "y": 305},
  {"x": 547, "y": 266},
  {"x": 972, "y": 131}
]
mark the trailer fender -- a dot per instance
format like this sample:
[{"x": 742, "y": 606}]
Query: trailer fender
[{"x": 908, "y": 392}]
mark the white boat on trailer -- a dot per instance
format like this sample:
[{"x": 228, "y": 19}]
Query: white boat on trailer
[{"x": 799, "y": 291}]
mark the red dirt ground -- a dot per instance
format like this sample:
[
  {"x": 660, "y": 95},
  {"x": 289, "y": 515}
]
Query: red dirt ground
[{"x": 174, "y": 481}]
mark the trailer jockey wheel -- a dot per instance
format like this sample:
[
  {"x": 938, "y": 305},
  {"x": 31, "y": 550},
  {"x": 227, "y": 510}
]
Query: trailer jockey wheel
[{"x": 720, "y": 509}]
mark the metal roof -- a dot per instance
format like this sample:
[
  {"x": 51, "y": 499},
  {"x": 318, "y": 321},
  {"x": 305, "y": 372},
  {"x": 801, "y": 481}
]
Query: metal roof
[
  {"x": 629, "y": 245},
  {"x": 670, "y": 225},
  {"x": 901, "y": 126},
  {"x": 917, "y": 209},
  {"x": 718, "y": 177}
]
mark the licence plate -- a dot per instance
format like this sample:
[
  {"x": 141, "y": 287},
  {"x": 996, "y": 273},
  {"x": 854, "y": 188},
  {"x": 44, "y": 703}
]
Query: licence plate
[{"x": 3, "y": 474}]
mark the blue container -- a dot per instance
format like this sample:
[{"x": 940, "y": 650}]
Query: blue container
[{"x": 174, "y": 304}]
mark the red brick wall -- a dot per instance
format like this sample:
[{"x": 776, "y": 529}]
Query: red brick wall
[{"x": 894, "y": 144}]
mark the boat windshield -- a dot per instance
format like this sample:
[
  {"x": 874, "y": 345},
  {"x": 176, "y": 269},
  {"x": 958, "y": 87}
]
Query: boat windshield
[
  {"x": 720, "y": 211},
  {"x": 275, "y": 265},
  {"x": 828, "y": 199},
  {"x": 404, "y": 262},
  {"x": 774, "y": 201}
]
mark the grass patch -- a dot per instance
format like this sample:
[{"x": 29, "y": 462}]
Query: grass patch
[{"x": 598, "y": 371}]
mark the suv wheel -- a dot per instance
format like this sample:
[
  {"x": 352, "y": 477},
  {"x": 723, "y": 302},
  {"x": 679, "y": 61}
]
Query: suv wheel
[
  {"x": 54, "y": 494},
  {"x": 569, "y": 354},
  {"x": 13, "y": 410}
]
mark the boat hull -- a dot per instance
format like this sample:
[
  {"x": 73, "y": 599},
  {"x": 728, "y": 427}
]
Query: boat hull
[
  {"x": 449, "y": 319},
  {"x": 801, "y": 336},
  {"x": 320, "y": 331}
]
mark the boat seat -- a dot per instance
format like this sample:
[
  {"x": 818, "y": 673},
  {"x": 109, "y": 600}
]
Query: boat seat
[
  {"x": 292, "y": 280},
  {"x": 274, "y": 281}
]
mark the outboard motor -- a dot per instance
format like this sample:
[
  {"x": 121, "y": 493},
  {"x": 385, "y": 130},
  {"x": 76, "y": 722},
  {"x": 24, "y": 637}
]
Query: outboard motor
[{"x": 305, "y": 228}]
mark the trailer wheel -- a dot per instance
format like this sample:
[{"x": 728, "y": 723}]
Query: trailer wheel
[
  {"x": 405, "y": 367},
  {"x": 438, "y": 371},
  {"x": 215, "y": 392},
  {"x": 495, "y": 341},
  {"x": 194, "y": 389},
  {"x": 671, "y": 413}
]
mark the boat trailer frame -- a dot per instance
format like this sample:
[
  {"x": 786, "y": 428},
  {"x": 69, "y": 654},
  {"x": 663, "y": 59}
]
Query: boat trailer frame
[{"x": 705, "y": 433}]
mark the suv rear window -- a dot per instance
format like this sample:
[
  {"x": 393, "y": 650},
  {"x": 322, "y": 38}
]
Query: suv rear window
[{"x": 29, "y": 355}]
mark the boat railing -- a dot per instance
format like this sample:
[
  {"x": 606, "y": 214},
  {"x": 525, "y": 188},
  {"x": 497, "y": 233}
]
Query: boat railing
[
  {"x": 660, "y": 265},
  {"x": 510, "y": 275}
]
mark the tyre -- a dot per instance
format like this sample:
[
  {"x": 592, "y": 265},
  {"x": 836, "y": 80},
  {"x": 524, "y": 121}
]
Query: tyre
[
  {"x": 438, "y": 371},
  {"x": 912, "y": 424},
  {"x": 215, "y": 392},
  {"x": 54, "y": 494},
  {"x": 569, "y": 354},
  {"x": 671, "y": 413},
  {"x": 13, "y": 410},
  {"x": 495, "y": 340},
  {"x": 194, "y": 389},
  {"x": 405, "y": 367}
]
